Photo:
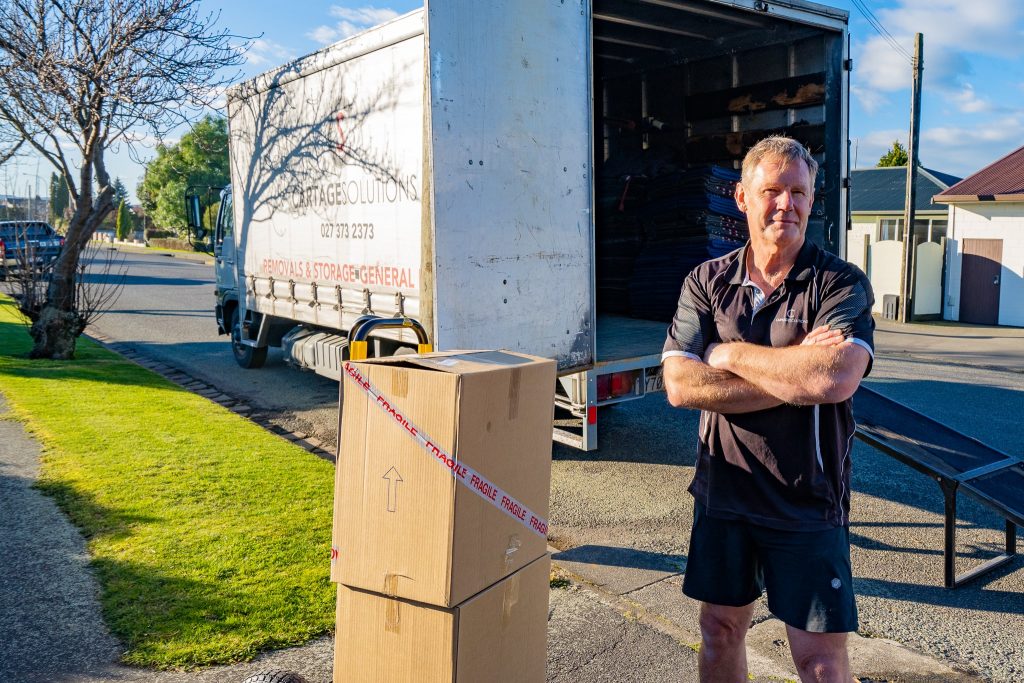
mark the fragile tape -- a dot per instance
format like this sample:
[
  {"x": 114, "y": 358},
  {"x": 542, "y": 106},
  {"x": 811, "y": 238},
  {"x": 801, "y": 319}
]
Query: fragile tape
[{"x": 463, "y": 473}]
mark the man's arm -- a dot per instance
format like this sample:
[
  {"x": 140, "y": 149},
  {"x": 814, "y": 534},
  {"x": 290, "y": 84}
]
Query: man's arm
[
  {"x": 802, "y": 375},
  {"x": 690, "y": 383}
]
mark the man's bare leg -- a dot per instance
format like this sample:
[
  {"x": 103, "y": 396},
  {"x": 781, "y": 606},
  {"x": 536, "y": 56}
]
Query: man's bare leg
[
  {"x": 820, "y": 657},
  {"x": 723, "y": 649}
]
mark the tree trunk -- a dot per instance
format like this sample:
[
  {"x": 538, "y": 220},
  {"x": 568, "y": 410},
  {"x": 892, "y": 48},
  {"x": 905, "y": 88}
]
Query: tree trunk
[
  {"x": 64, "y": 316},
  {"x": 59, "y": 324}
]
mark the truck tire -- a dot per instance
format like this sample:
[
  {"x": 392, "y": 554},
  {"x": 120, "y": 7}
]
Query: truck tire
[
  {"x": 249, "y": 357},
  {"x": 275, "y": 677}
]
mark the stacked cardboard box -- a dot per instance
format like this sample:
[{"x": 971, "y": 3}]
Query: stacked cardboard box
[{"x": 441, "y": 500}]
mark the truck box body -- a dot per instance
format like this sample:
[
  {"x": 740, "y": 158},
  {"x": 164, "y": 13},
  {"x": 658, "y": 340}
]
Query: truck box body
[{"x": 457, "y": 165}]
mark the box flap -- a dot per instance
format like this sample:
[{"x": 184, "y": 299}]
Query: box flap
[
  {"x": 459, "y": 362},
  {"x": 388, "y": 639}
]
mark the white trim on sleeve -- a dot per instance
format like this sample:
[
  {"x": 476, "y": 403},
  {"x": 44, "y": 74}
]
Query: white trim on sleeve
[{"x": 862, "y": 343}]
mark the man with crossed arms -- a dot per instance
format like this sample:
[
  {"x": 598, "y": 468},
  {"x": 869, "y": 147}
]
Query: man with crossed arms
[{"x": 770, "y": 342}]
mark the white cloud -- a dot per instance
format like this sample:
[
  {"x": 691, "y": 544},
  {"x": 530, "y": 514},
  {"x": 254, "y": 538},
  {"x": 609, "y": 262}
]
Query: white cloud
[
  {"x": 352, "y": 21},
  {"x": 959, "y": 150},
  {"x": 969, "y": 102},
  {"x": 966, "y": 150},
  {"x": 869, "y": 148},
  {"x": 325, "y": 35},
  {"x": 871, "y": 100},
  {"x": 364, "y": 16},
  {"x": 952, "y": 30},
  {"x": 264, "y": 52}
]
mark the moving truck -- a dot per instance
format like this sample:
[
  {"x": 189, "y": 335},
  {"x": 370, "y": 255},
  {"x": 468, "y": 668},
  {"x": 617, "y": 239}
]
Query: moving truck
[{"x": 523, "y": 175}]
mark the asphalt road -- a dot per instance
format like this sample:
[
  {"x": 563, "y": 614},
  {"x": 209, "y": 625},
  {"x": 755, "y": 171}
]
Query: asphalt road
[
  {"x": 165, "y": 310},
  {"x": 631, "y": 494}
]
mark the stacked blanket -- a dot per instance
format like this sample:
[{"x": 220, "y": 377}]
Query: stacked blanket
[{"x": 654, "y": 228}]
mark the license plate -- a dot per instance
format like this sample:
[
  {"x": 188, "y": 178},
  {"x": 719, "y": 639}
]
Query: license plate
[{"x": 655, "y": 382}]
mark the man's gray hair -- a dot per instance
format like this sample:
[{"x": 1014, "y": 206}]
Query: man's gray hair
[{"x": 777, "y": 147}]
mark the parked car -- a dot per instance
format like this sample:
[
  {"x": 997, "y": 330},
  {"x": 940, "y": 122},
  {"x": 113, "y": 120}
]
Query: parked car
[{"x": 27, "y": 244}]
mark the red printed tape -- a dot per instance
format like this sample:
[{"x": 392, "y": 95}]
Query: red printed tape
[{"x": 463, "y": 473}]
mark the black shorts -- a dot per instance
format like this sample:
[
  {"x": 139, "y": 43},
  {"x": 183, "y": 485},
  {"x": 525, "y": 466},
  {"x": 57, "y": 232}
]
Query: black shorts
[{"x": 807, "y": 574}]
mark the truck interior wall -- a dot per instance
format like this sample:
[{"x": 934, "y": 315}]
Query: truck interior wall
[{"x": 670, "y": 107}]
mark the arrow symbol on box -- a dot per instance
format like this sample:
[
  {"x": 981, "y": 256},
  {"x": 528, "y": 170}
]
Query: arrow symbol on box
[{"x": 394, "y": 479}]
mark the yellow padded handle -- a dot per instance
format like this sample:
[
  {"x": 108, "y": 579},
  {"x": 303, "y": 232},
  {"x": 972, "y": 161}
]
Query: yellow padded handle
[{"x": 358, "y": 350}]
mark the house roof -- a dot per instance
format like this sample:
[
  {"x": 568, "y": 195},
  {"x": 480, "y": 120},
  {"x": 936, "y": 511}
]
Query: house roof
[
  {"x": 880, "y": 190},
  {"x": 1002, "y": 180}
]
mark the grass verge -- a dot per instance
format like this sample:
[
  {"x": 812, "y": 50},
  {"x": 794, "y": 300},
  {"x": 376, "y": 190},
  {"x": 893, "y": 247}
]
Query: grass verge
[{"x": 210, "y": 537}]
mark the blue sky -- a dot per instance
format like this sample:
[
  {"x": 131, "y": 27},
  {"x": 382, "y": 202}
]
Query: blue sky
[{"x": 973, "y": 97}]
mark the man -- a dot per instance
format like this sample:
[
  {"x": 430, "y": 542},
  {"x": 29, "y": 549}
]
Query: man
[{"x": 770, "y": 342}]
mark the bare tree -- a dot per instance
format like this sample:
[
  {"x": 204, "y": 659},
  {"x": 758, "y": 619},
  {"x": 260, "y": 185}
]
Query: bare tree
[
  {"x": 97, "y": 287},
  {"x": 10, "y": 143},
  {"x": 78, "y": 77}
]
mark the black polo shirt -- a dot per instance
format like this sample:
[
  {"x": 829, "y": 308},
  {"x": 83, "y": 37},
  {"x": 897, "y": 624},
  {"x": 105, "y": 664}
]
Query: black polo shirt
[{"x": 786, "y": 467}]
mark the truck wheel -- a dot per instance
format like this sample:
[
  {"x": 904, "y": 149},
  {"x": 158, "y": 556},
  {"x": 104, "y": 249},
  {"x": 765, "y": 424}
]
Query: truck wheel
[
  {"x": 275, "y": 677},
  {"x": 249, "y": 357}
]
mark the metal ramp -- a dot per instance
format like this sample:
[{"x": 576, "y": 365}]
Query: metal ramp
[{"x": 957, "y": 462}]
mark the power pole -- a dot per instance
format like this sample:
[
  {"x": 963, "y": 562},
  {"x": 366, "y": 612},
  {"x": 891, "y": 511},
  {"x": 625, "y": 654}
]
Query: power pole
[{"x": 907, "y": 263}]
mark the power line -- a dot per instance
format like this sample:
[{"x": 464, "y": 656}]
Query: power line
[{"x": 877, "y": 25}]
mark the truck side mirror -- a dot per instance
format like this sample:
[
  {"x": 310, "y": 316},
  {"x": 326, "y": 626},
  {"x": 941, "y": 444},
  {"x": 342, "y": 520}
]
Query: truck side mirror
[{"x": 194, "y": 214}]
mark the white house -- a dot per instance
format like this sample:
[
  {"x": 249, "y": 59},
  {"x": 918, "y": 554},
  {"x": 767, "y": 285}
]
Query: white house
[
  {"x": 985, "y": 244},
  {"x": 875, "y": 239}
]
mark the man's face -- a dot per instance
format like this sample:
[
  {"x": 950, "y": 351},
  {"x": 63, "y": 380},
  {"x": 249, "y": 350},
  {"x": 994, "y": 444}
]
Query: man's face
[{"x": 777, "y": 201}]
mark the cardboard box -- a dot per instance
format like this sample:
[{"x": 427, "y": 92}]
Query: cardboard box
[
  {"x": 444, "y": 473},
  {"x": 499, "y": 635}
]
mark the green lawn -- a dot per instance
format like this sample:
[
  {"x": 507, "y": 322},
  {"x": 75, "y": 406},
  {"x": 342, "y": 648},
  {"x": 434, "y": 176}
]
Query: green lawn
[{"x": 209, "y": 536}]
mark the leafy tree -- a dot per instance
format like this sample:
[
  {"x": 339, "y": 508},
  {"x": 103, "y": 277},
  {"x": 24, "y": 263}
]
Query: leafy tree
[
  {"x": 120, "y": 195},
  {"x": 124, "y": 226},
  {"x": 80, "y": 76},
  {"x": 59, "y": 199},
  {"x": 120, "y": 192},
  {"x": 897, "y": 156},
  {"x": 200, "y": 159}
]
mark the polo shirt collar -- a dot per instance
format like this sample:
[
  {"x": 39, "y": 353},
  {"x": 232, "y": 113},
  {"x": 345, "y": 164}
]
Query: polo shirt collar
[
  {"x": 738, "y": 270},
  {"x": 802, "y": 269}
]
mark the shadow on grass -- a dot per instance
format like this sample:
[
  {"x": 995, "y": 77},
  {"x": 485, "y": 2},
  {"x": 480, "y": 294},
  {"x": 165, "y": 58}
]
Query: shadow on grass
[
  {"x": 164, "y": 618},
  {"x": 91, "y": 363},
  {"x": 91, "y": 518}
]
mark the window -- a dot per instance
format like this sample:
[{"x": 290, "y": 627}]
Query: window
[
  {"x": 890, "y": 229},
  {"x": 225, "y": 221},
  {"x": 925, "y": 229},
  {"x": 937, "y": 231}
]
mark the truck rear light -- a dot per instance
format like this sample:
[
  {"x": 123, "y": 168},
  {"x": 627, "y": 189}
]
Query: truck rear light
[
  {"x": 3, "y": 249},
  {"x": 616, "y": 384}
]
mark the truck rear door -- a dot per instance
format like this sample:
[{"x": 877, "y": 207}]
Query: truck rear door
[{"x": 510, "y": 154}]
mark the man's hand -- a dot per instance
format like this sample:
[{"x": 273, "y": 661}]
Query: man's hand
[
  {"x": 819, "y": 336},
  {"x": 823, "y": 336},
  {"x": 824, "y": 368},
  {"x": 690, "y": 383}
]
